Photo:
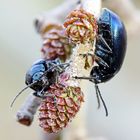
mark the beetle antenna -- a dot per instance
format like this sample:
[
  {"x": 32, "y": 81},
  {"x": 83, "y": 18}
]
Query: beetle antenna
[
  {"x": 21, "y": 92},
  {"x": 99, "y": 96}
]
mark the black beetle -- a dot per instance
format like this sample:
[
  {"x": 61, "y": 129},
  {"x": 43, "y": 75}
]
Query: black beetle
[
  {"x": 44, "y": 73},
  {"x": 110, "y": 49},
  {"x": 41, "y": 75},
  {"x": 37, "y": 74}
]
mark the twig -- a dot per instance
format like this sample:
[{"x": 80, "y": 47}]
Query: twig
[
  {"x": 92, "y": 6},
  {"x": 54, "y": 16},
  {"x": 26, "y": 113}
]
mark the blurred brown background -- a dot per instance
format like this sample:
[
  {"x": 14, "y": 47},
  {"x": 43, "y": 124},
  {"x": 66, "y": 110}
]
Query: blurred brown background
[{"x": 20, "y": 47}]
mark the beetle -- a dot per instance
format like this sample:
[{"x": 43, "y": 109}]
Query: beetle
[
  {"x": 37, "y": 74},
  {"x": 112, "y": 36},
  {"x": 41, "y": 75},
  {"x": 110, "y": 49}
]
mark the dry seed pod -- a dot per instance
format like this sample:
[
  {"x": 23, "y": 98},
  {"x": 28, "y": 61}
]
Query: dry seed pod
[
  {"x": 56, "y": 44},
  {"x": 81, "y": 26},
  {"x": 57, "y": 111}
]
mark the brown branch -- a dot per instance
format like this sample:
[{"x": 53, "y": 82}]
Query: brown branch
[
  {"x": 27, "y": 111},
  {"x": 54, "y": 16}
]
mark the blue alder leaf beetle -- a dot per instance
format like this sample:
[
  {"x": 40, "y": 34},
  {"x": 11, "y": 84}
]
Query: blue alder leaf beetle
[{"x": 41, "y": 75}]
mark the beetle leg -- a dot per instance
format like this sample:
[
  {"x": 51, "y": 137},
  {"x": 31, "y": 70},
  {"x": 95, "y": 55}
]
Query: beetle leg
[
  {"x": 37, "y": 94},
  {"x": 100, "y": 37},
  {"x": 56, "y": 67},
  {"x": 43, "y": 90},
  {"x": 91, "y": 79},
  {"x": 83, "y": 77},
  {"x": 40, "y": 93},
  {"x": 59, "y": 67},
  {"x": 103, "y": 49},
  {"x": 100, "y": 61}
]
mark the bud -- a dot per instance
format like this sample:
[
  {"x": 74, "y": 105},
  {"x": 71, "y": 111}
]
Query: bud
[
  {"x": 58, "y": 109},
  {"x": 56, "y": 44},
  {"x": 81, "y": 26}
]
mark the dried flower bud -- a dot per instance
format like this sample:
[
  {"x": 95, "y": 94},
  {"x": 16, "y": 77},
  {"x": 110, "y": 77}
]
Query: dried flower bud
[
  {"x": 56, "y": 44},
  {"x": 57, "y": 111},
  {"x": 81, "y": 26}
]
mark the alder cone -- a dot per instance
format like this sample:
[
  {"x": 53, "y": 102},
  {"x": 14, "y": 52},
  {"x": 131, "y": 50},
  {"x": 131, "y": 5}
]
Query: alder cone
[
  {"x": 81, "y": 26},
  {"x": 56, "y": 45},
  {"x": 58, "y": 110}
]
